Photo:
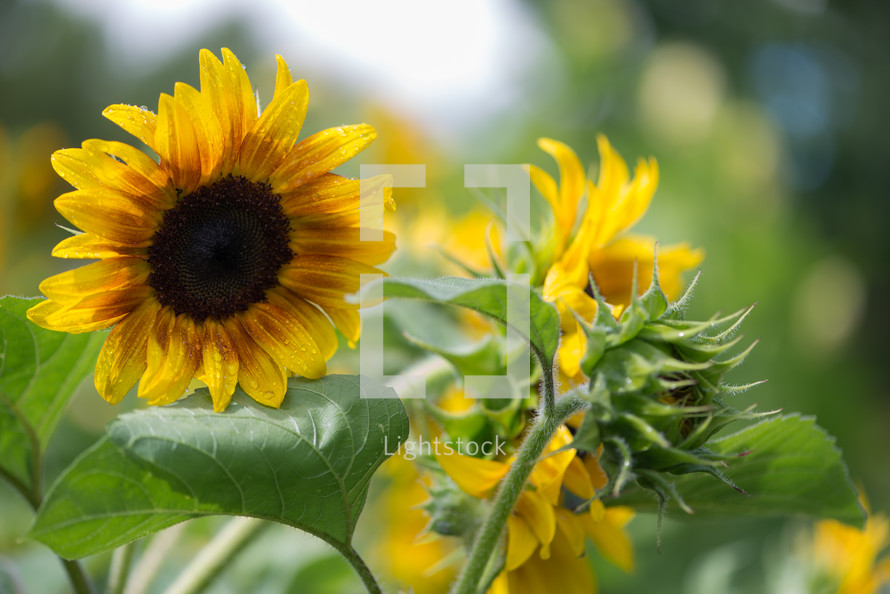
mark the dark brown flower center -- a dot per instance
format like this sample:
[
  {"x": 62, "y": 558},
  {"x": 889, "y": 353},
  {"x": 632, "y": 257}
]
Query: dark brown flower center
[{"x": 219, "y": 249}]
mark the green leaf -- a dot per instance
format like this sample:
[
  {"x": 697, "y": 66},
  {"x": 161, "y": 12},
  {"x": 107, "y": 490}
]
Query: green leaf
[
  {"x": 786, "y": 465},
  {"x": 307, "y": 464},
  {"x": 39, "y": 370},
  {"x": 487, "y": 296},
  {"x": 480, "y": 358}
]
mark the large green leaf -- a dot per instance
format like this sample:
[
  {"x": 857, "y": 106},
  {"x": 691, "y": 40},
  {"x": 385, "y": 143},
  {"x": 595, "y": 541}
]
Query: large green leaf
[
  {"x": 307, "y": 464},
  {"x": 786, "y": 465},
  {"x": 487, "y": 296},
  {"x": 39, "y": 370}
]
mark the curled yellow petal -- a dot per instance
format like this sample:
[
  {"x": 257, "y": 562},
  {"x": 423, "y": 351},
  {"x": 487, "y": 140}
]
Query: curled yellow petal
[
  {"x": 139, "y": 122},
  {"x": 475, "y": 476}
]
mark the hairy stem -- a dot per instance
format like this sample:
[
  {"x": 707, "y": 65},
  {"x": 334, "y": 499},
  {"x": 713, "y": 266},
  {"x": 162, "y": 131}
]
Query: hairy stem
[
  {"x": 489, "y": 535},
  {"x": 358, "y": 564}
]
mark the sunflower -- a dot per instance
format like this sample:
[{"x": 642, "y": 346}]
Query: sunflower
[
  {"x": 545, "y": 537},
  {"x": 229, "y": 259},
  {"x": 851, "y": 559},
  {"x": 597, "y": 244}
]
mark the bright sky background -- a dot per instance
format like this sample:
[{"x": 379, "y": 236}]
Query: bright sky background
[{"x": 457, "y": 61}]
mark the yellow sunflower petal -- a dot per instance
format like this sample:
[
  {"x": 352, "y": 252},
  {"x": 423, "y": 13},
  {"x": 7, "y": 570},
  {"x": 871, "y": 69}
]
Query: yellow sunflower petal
[
  {"x": 549, "y": 472},
  {"x": 562, "y": 572},
  {"x": 218, "y": 86},
  {"x": 283, "y": 78},
  {"x": 615, "y": 204},
  {"x": 283, "y": 336},
  {"x": 177, "y": 145},
  {"x": 577, "y": 480},
  {"x": 345, "y": 243},
  {"x": 572, "y": 529},
  {"x": 609, "y": 537},
  {"x": 350, "y": 218},
  {"x": 332, "y": 193},
  {"x": 220, "y": 364},
  {"x": 240, "y": 89},
  {"x": 319, "y": 154},
  {"x": 41, "y": 311},
  {"x": 208, "y": 132},
  {"x": 139, "y": 122},
  {"x": 598, "y": 477},
  {"x": 109, "y": 214},
  {"x": 310, "y": 316},
  {"x": 538, "y": 514},
  {"x": 122, "y": 360},
  {"x": 269, "y": 141},
  {"x": 98, "y": 277},
  {"x": 613, "y": 267},
  {"x": 348, "y": 322},
  {"x": 325, "y": 280},
  {"x": 571, "y": 181},
  {"x": 88, "y": 246},
  {"x": 94, "y": 166},
  {"x": 521, "y": 542},
  {"x": 631, "y": 203},
  {"x": 259, "y": 375},
  {"x": 475, "y": 476},
  {"x": 572, "y": 348},
  {"x": 173, "y": 353},
  {"x": 546, "y": 185},
  {"x": 597, "y": 510},
  {"x": 143, "y": 176},
  {"x": 93, "y": 312},
  {"x": 561, "y": 289}
]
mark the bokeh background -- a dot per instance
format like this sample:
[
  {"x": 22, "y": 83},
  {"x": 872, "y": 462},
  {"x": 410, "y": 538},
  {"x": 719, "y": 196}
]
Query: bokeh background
[{"x": 768, "y": 119}]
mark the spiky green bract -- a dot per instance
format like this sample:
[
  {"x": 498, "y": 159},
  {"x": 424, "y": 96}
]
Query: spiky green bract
[
  {"x": 657, "y": 390},
  {"x": 452, "y": 512}
]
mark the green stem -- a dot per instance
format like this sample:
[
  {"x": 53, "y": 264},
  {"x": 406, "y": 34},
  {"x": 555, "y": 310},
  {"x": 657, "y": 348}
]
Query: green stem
[
  {"x": 120, "y": 569},
  {"x": 231, "y": 540},
  {"x": 149, "y": 564},
  {"x": 358, "y": 564},
  {"x": 489, "y": 535},
  {"x": 34, "y": 496},
  {"x": 77, "y": 577}
]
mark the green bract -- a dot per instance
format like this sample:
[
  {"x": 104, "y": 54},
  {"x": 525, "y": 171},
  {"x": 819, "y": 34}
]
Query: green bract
[{"x": 658, "y": 396}]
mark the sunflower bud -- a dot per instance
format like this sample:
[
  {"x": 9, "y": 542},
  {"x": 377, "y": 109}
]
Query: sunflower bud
[
  {"x": 451, "y": 511},
  {"x": 657, "y": 388}
]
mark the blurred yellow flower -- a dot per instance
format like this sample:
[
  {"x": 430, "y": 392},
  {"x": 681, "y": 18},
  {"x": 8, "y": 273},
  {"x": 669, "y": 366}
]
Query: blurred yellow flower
[
  {"x": 406, "y": 553},
  {"x": 546, "y": 539},
  {"x": 850, "y": 555},
  {"x": 596, "y": 244},
  {"x": 216, "y": 262},
  {"x": 27, "y": 184}
]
